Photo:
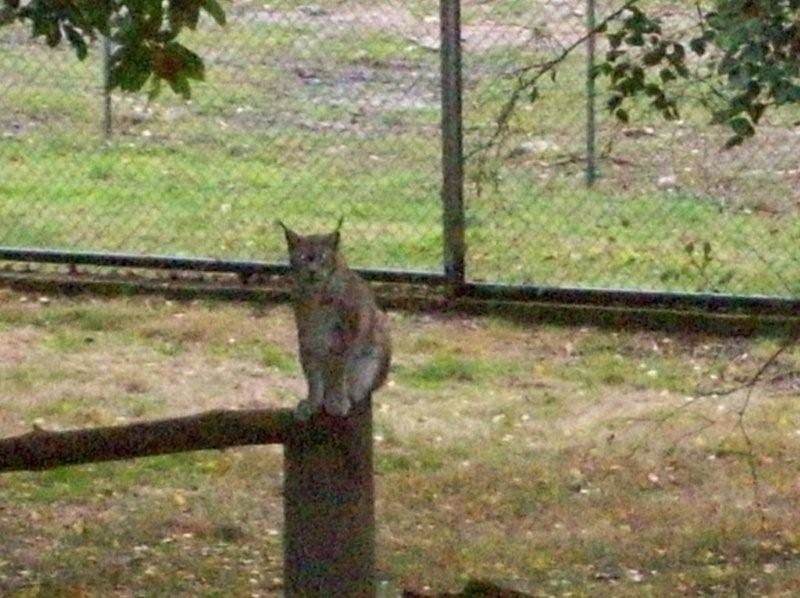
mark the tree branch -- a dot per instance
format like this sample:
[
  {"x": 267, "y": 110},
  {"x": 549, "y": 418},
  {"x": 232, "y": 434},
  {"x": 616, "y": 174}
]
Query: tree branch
[
  {"x": 528, "y": 76},
  {"x": 219, "y": 429},
  {"x": 754, "y": 379},
  {"x": 749, "y": 386}
]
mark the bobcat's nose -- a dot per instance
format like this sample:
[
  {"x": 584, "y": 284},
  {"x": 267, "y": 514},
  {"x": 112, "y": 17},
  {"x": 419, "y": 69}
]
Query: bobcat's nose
[{"x": 313, "y": 274}]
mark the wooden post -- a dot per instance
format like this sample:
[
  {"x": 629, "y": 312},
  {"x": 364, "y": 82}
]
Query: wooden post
[
  {"x": 329, "y": 507},
  {"x": 452, "y": 145},
  {"x": 329, "y": 489}
]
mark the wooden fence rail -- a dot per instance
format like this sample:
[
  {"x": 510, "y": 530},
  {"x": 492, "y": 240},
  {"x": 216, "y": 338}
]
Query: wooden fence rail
[{"x": 329, "y": 493}]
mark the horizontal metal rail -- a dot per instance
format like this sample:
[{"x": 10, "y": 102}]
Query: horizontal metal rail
[
  {"x": 709, "y": 302},
  {"x": 600, "y": 297},
  {"x": 195, "y": 264}
]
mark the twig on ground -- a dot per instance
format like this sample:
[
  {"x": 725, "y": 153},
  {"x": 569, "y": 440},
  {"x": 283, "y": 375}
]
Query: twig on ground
[{"x": 750, "y": 454}]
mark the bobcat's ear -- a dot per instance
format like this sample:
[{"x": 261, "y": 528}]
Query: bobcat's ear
[{"x": 291, "y": 237}]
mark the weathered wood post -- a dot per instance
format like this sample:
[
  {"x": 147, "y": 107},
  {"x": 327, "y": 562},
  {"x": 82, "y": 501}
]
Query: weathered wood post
[
  {"x": 329, "y": 490},
  {"x": 329, "y": 506}
]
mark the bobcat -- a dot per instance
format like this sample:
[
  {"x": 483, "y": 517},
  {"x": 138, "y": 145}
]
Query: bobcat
[{"x": 345, "y": 347}]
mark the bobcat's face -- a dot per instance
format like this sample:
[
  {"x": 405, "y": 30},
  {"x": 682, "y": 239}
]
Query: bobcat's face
[{"x": 312, "y": 257}]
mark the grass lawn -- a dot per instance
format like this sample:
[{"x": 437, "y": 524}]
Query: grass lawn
[
  {"x": 560, "y": 461},
  {"x": 313, "y": 112}
]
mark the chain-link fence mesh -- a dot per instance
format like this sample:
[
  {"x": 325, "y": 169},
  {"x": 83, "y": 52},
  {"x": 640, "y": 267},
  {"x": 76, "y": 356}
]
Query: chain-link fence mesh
[
  {"x": 307, "y": 113},
  {"x": 670, "y": 210},
  {"x": 313, "y": 111}
]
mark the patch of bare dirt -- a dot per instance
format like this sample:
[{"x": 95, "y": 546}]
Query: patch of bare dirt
[
  {"x": 398, "y": 20},
  {"x": 15, "y": 344}
]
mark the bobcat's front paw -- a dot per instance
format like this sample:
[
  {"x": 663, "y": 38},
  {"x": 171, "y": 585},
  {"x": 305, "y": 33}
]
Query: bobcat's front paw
[
  {"x": 339, "y": 407},
  {"x": 304, "y": 410}
]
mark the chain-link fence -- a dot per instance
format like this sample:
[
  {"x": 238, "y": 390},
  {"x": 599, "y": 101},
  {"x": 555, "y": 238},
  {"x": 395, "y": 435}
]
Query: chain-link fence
[
  {"x": 308, "y": 113},
  {"x": 669, "y": 209},
  {"x": 314, "y": 111}
]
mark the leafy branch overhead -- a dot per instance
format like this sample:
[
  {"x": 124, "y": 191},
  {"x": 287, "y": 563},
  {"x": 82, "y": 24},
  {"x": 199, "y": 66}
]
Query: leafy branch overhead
[
  {"x": 144, "y": 35},
  {"x": 747, "y": 52},
  {"x": 743, "y": 54}
]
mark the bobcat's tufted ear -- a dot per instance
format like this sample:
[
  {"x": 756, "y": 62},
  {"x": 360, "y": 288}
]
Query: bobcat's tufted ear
[{"x": 291, "y": 237}]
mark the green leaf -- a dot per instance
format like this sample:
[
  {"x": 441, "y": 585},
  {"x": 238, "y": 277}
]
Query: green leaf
[
  {"x": 614, "y": 101},
  {"x": 741, "y": 126},
  {"x": 755, "y": 111},
  {"x": 131, "y": 66},
  {"x": 734, "y": 141},
  {"x": 677, "y": 54},
  {"x": 681, "y": 69},
  {"x": 191, "y": 63},
  {"x": 94, "y": 15},
  {"x": 601, "y": 69},
  {"x": 653, "y": 90},
  {"x": 698, "y": 46},
  {"x": 634, "y": 39},
  {"x": 180, "y": 85},
  {"x": 213, "y": 8},
  {"x": 176, "y": 65},
  {"x": 183, "y": 13},
  {"x": 619, "y": 71},
  {"x": 666, "y": 75},
  {"x": 786, "y": 92},
  {"x": 630, "y": 86},
  {"x": 52, "y": 33},
  {"x": 76, "y": 41},
  {"x": 654, "y": 56},
  {"x": 615, "y": 39},
  {"x": 622, "y": 115}
]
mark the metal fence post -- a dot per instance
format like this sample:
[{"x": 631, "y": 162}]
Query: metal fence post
[
  {"x": 452, "y": 144},
  {"x": 329, "y": 507},
  {"x": 591, "y": 159},
  {"x": 106, "y": 66}
]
